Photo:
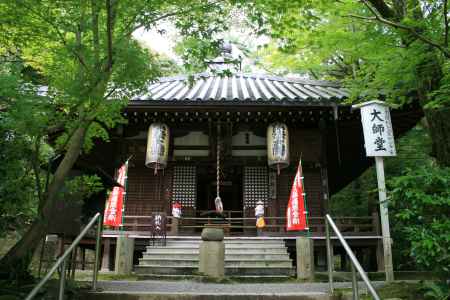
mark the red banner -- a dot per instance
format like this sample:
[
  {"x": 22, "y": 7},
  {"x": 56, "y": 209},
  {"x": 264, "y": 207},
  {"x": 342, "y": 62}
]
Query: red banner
[
  {"x": 114, "y": 204},
  {"x": 295, "y": 212}
]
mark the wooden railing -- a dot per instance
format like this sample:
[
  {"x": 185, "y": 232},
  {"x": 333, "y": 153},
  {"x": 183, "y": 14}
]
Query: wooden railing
[
  {"x": 143, "y": 223},
  {"x": 365, "y": 225}
]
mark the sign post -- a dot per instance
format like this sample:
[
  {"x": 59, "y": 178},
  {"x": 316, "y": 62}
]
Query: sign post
[{"x": 379, "y": 142}]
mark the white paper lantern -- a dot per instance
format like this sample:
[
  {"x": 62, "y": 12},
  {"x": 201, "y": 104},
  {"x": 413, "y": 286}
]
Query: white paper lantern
[
  {"x": 278, "y": 146},
  {"x": 157, "y": 146}
]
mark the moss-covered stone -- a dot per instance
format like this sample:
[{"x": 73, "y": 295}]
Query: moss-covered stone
[{"x": 212, "y": 234}]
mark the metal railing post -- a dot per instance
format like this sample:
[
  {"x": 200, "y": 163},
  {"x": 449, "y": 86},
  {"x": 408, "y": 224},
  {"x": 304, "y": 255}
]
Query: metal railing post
[
  {"x": 97, "y": 252},
  {"x": 354, "y": 261},
  {"x": 329, "y": 257},
  {"x": 354, "y": 283},
  {"x": 62, "y": 280},
  {"x": 61, "y": 261}
]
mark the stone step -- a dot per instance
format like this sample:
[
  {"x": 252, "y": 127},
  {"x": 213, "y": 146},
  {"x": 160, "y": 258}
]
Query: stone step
[
  {"x": 269, "y": 270},
  {"x": 229, "y": 242},
  {"x": 203, "y": 296},
  {"x": 228, "y": 256},
  {"x": 200, "y": 278},
  {"x": 228, "y": 263},
  {"x": 243, "y": 241},
  {"x": 230, "y": 246},
  {"x": 243, "y": 257},
  {"x": 176, "y": 270},
  {"x": 229, "y": 271},
  {"x": 170, "y": 251}
]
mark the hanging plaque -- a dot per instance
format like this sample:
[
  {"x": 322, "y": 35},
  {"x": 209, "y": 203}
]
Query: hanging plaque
[{"x": 377, "y": 128}]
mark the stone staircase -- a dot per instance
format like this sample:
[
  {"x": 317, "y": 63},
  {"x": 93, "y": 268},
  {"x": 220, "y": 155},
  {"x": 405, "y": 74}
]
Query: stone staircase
[{"x": 243, "y": 257}]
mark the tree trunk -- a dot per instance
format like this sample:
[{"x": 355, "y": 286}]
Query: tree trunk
[
  {"x": 429, "y": 74},
  {"x": 16, "y": 262},
  {"x": 439, "y": 129}
]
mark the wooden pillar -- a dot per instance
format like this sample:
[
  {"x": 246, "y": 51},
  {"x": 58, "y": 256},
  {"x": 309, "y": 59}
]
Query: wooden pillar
[
  {"x": 83, "y": 258},
  {"x": 106, "y": 254},
  {"x": 380, "y": 256},
  {"x": 365, "y": 258},
  {"x": 323, "y": 166}
]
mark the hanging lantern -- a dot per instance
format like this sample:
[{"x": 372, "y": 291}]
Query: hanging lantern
[
  {"x": 278, "y": 146},
  {"x": 157, "y": 146}
]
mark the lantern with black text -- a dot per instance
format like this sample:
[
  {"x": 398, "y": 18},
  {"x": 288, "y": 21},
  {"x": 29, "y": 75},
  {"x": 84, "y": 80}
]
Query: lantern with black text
[
  {"x": 157, "y": 146},
  {"x": 278, "y": 146}
]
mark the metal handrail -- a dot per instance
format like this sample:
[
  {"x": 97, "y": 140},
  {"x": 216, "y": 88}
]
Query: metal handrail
[
  {"x": 63, "y": 258},
  {"x": 354, "y": 262}
]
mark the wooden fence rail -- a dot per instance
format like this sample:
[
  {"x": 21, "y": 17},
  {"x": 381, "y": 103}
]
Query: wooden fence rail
[{"x": 234, "y": 221}]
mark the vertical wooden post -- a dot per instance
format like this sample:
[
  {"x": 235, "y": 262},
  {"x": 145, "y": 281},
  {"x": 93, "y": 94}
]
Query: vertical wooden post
[
  {"x": 384, "y": 215},
  {"x": 83, "y": 258},
  {"x": 379, "y": 246},
  {"x": 106, "y": 254},
  {"x": 324, "y": 167}
]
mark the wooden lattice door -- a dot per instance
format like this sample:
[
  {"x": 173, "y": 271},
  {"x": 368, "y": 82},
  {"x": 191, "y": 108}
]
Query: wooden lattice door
[{"x": 184, "y": 186}]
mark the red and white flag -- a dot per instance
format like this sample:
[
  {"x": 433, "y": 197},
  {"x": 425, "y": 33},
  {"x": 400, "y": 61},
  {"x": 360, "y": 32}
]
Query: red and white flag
[
  {"x": 295, "y": 212},
  {"x": 114, "y": 204}
]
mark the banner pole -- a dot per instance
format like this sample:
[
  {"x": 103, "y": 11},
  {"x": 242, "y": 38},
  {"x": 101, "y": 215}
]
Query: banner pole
[
  {"x": 305, "y": 203},
  {"x": 125, "y": 194}
]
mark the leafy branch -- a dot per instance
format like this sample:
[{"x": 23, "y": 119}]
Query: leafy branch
[
  {"x": 60, "y": 35},
  {"x": 377, "y": 17},
  {"x": 445, "y": 12}
]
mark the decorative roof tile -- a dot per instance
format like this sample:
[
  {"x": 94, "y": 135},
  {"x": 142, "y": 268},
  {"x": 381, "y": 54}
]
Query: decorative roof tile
[{"x": 242, "y": 89}]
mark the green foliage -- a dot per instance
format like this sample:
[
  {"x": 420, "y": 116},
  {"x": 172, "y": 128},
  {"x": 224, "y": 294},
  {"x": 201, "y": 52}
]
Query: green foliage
[
  {"x": 342, "y": 40},
  {"x": 81, "y": 187},
  {"x": 420, "y": 199},
  {"x": 17, "y": 208},
  {"x": 361, "y": 196},
  {"x": 436, "y": 291},
  {"x": 85, "y": 55},
  {"x": 441, "y": 96}
]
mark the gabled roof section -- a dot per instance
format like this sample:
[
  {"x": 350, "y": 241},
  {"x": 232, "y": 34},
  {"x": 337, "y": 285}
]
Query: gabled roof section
[{"x": 241, "y": 89}]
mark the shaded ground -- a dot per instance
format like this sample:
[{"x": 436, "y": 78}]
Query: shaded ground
[{"x": 189, "y": 286}]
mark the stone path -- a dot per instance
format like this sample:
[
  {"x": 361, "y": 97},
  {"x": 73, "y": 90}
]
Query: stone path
[{"x": 199, "y": 288}]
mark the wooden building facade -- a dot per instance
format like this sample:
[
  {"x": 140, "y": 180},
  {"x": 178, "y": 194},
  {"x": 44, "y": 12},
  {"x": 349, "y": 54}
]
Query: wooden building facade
[{"x": 235, "y": 112}]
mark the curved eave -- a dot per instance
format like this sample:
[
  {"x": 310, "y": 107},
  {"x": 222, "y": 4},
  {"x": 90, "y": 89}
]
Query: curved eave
[{"x": 230, "y": 104}]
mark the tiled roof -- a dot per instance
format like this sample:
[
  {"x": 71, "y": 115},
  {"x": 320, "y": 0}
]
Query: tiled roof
[{"x": 257, "y": 89}]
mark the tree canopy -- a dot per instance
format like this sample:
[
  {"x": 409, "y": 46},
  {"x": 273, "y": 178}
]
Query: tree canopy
[
  {"x": 83, "y": 65},
  {"x": 394, "y": 50}
]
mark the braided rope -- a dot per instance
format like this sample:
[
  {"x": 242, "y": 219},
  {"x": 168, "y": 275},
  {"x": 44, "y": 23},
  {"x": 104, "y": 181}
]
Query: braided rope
[
  {"x": 218, "y": 168},
  {"x": 218, "y": 201}
]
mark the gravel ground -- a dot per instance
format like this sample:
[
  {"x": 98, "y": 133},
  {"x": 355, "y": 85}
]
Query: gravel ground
[{"x": 191, "y": 287}]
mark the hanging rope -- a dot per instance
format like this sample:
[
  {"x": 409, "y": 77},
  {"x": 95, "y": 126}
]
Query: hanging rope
[
  {"x": 218, "y": 201},
  {"x": 218, "y": 169}
]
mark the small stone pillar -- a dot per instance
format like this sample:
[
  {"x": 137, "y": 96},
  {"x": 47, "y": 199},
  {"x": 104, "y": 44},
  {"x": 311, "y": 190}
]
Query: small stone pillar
[
  {"x": 212, "y": 253},
  {"x": 124, "y": 255},
  {"x": 174, "y": 226},
  {"x": 305, "y": 258}
]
